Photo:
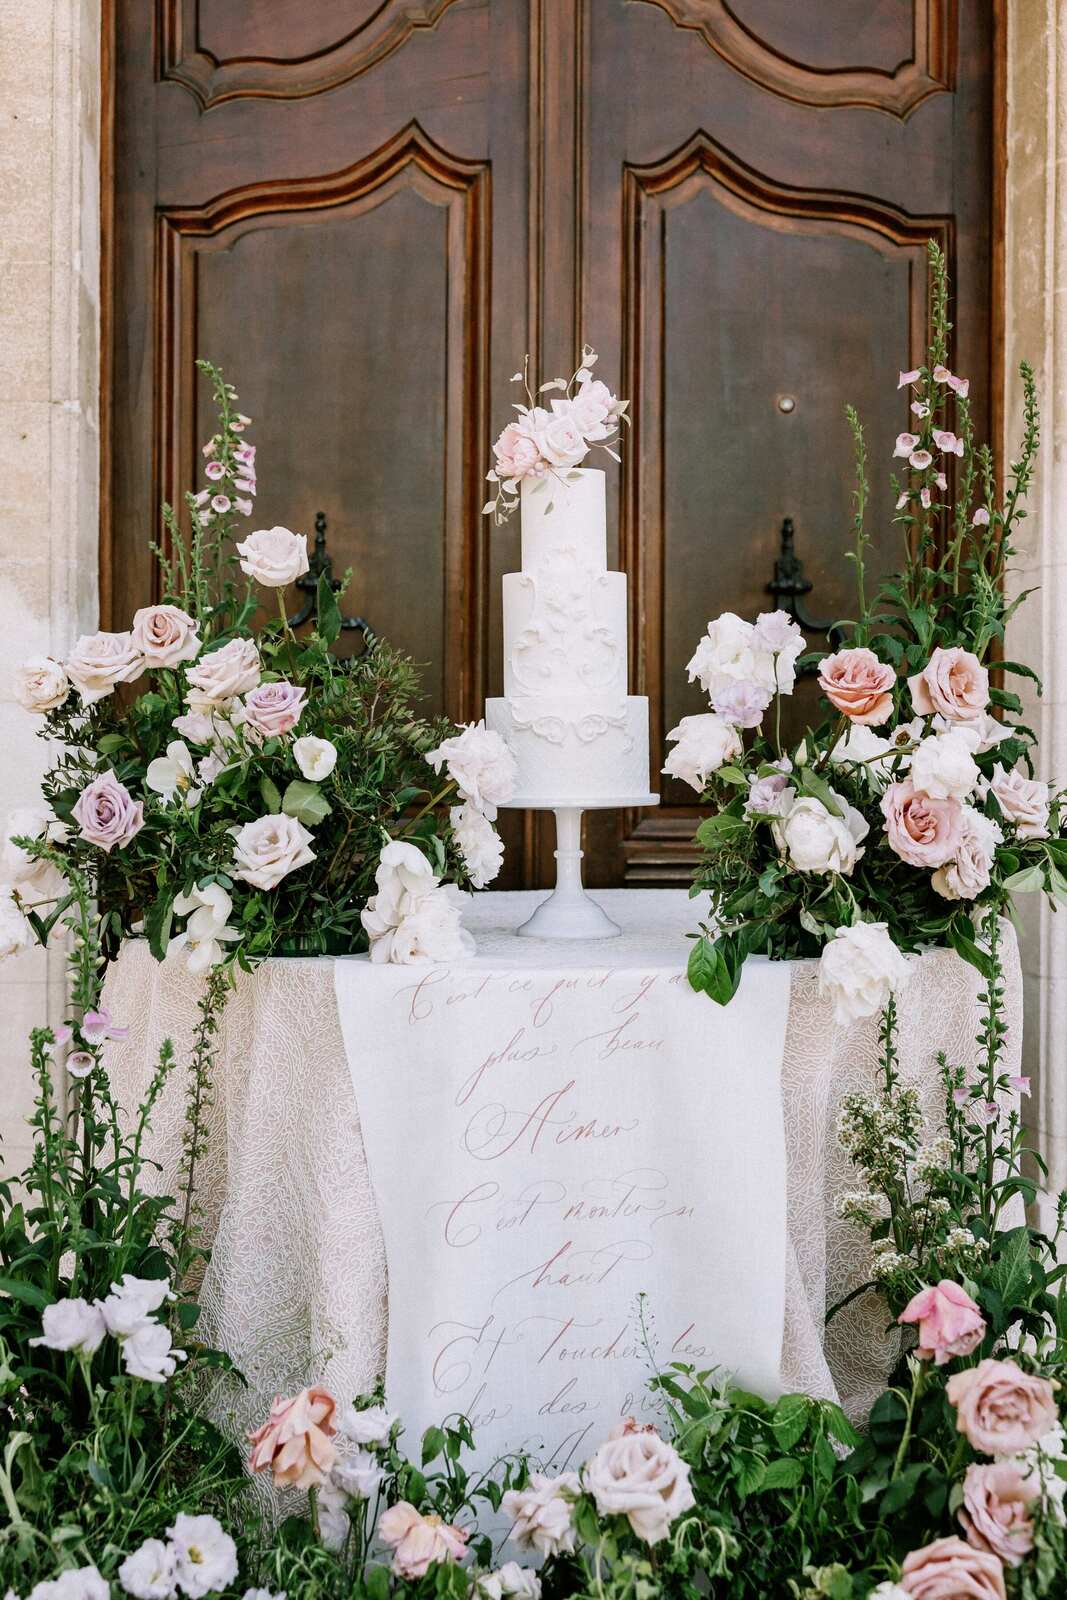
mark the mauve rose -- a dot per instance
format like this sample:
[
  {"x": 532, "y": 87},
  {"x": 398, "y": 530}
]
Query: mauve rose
[
  {"x": 995, "y": 1514},
  {"x": 950, "y": 1324},
  {"x": 107, "y": 814},
  {"x": 418, "y": 1541},
  {"x": 274, "y": 557},
  {"x": 295, "y": 1441},
  {"x": 968, "y": 873},
  {"x": 267, "y": 850},
  {"x": 273, "y": 708},
  {"x": 948, "y": 1569},
  {"x": 41, "y": 684},
  {"x": 101, "y": 660},
  {"x": 858, "y": 684},
  {"x": 517, "y": 455},
  {"x": 923, "y": 832},
  {"x": 165, "y": 635},
  {"x": 232, "y": 669},
  {"x": 953, "y": 683},
  {"x": 1023, "y": 801},
  {"x": 1000, "y": 1408}
]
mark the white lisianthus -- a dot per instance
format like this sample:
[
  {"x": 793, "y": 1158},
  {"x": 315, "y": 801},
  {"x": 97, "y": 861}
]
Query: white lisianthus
[
  {"x": 638, "y": 1475},
  {"x": 777, "y": 633},
  {"x": 372, "y": 1425},
  {"x": 173, "y": 774},
  {"x": 73, "y": 1583},
  {"x": 332, "y": 1507},
  {"x": 730, "y": 650},
  {"x": 205, "y": 1557},
  {"x": 704, "y": 744},
  {"x": 274, "y": 557},
  {"x": 944, "y": 766},
  {"x": 969, "y": 871},
  {"x": 316, "y": 758},
  {"x": 147, "y": 1352},
  {"x": 41, "y": 684},
  {"x": 207, "y": 930},
  {"x": 267, "y": 850},
  {"x": 860, "y": 967},
  {"x": 866, "y": 754},
  {"x": 359, "y": 1476},
  {"x": 478, "y": 842},
  {"x": 72, "y": 1325},
  {"x": 543, "y": 1513},
  {"x": 148, "y": 1574},
  {"x": 15, "y": 932},
  {"x": 522, "y": 1583},
  {"x": 481, "y": 766},
  {"x": 815, "y": 840},
  {"x": 132, "y": 1302}
]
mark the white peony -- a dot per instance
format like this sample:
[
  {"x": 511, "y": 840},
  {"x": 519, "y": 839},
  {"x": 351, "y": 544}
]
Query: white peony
[
  {"x": 429, "y": 929},
  {"x": 730, "y": 650},
  {"x": 543, "y": 1513},
  {"x": 478, "y": 843},
  {"x": 267, "y": 850},
  {"x": 359, "y": 1475},
  {"x": 41, "y": 684},
  {"x": 481, "y": 766},
  {"x": 944, "y": 766},
  {"x": 205, "y": 1555},
  {"x": 860, "y": 967},
  {"x": 173, "y": 774},
  {"x": 373, "y": 1424},
  {"x": 72, "y": 1325},
  {"x": 815, "y": 840},
  {"x": 638, "y": 1475},
  {"x": 316, "y": 758},
  {"x": 100, "y": 661},
  {"x": 200, "y": 942},
  {"x": 222, "y": 674},
  {"x": 165, "y": 635},
  {"x": 15, "y": 932},
  {"x": 148, "y": 1574},
  {"x": 274, "y": 557},
  {"x": 704, "y": 744},
  {"x": 968, "y": 873},
  {"x": 29, "y": 822}
]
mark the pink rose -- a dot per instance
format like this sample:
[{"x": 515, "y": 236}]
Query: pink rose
[
  {"x": 165, "y": 636},
  {"x": 948, "y": 1569},
  {"x": 1002, "y": 1409},
  {"x": 295, "y": 1440},
  {"x": 418, "y": 1541},
  {"x": 101, "y": 660},
  {"x": 1023, "y": 801},
  {"x": 638, "y": 1475},
  {"x": 860, "y": 685},
  {"x": 107, "y": 813},
  {"x": 517, "y": 455},
  {"x": 223, "y": 673},
  {"x": 273, "y": 708},
  {"x": 922, "y": 831},
  {"x": 954, "y": 683},
  {"x": 996, "y": 1500},
  {"x": 950, "y": 1324},
  {"x": 594, "y": 409}
]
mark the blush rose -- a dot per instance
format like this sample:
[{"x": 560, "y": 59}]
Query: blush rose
[
  {"x": 922, "y": 831},
  {"x": 948, "y": 1569},
  {"x": 165, "y": 636},
  {"x": 295, "y": 1442},
  {"x": 417, "y": 1541},
  {"x": 950, "y": 1323},
  {"x": 1001, "y": 1409},
  {"x": 859, "y": 685},
  {"x": 953, "y": 683},
  {"x": 995, "y": 1513},
  {"x": 272, "y": 709}
]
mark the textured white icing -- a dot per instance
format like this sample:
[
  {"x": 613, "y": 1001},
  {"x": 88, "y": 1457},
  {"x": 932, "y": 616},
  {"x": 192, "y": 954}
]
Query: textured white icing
[
  {"x": 564, "y": 512},
  {"x": 557, "y": 763},
  {"x": 564, "y": 631}
]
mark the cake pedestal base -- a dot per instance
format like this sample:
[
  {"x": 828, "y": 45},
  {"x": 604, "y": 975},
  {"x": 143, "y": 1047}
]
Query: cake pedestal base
[{"x": 568, "y": 912}]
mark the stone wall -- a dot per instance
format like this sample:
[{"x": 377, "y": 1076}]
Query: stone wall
[{"x": 49, "y": 382}]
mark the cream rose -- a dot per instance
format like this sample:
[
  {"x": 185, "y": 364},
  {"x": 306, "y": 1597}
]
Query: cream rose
[
  {"x": 101, "y": 660},
  {"x": 19, "y": 867},
  {"x": 296, "y": 1441},
  {"x": 267, "y": 850},
  {"x": 559, "y": 438},
  {"x": 637, "y": 1475},
  {"x": 274, "y": 557},
  {"x": 860, "y": 967},
  {"x": 41, "y": 684},
  {"x": 15, "y": 931},
  {"x": 419, "y": 1541},
  {"x": 1023, "y": 801},
  {"x": 165, "y": 636},
  {"x": 817, "y": 841},
  {"x": 953, "y": 683},
  {"x": 703, "y": 744},
  {"x": 232, "y": 669}
]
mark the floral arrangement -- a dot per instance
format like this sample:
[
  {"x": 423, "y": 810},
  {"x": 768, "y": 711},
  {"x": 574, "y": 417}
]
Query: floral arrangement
[
  {"x": 914, "y": 808},
  {"x": 545, "y": 443}
]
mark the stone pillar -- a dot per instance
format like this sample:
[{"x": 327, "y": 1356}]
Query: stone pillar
[
  {"x": 1036, "y": 330},
  {"x": 49, "y": 410}
]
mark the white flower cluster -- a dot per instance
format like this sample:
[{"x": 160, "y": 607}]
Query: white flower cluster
[
  {"x": 198, "y": 1558},
  {"x": 357, "y": 1475},
  {"x": 127, "y": 1314}
]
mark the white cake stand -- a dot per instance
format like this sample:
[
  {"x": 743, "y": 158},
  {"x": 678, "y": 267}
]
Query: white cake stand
[{"x": 568, "y": 912}]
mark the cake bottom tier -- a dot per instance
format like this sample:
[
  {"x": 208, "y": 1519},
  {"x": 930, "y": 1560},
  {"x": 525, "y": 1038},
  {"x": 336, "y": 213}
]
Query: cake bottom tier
[{"x": 589, "y": 756}]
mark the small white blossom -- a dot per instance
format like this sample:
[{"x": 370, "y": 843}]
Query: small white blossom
[
  {"x": 148, "y": 1574},
  {"x": 205, "y": 1557},
  {"x": 371, "y": 1426}
]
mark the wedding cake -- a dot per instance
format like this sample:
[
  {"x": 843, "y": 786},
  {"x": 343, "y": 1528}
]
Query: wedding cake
[{"x": 575, "y": 732}]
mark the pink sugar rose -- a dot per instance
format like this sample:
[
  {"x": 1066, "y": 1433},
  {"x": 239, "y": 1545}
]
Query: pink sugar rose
[
  {"x": 953, "y": 683},
  {"x": 418, "y": 1541},
  {"x": 295, "y": 1442},
  {"x": 517, "y": 455},
  {"x": 559, "y": 438},
  {"x": 1000, "y": 1408},
  {"x": 107, "y": 814},
  {"x": 860, "y": 685},
  {"x": 950, "y": 1324},
  {"x": 594, "y": 409},
  {"x": 922, "y": 831},
  {"x": 273, "y": 708},
  {"x": 996, "y": 1502},
  {"x": 948, "y": 1569}
]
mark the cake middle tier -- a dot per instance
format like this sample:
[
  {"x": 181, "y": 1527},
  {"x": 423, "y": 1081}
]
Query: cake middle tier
[
  {"x": 570, "y": 754},
  {"x": 564, "y": 633}
]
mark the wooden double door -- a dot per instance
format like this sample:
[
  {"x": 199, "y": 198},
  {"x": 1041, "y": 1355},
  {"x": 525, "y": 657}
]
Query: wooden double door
[{"x": 367, "y": 210}]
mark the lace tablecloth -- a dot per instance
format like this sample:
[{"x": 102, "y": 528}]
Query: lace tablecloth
[{"x": 296, "y": 1287}]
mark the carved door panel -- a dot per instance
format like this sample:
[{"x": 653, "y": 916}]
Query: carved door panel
[{"x": 366, "y": 210}]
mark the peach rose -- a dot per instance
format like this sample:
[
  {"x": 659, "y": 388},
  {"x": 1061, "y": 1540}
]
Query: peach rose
[
  {"x": 1002, "y": 1409},
  {"x": 950, "y": 1324},
  {"x": 922, "y": 831},
  {"x": 295, "y": 1440},
  {"x": 418, "y": 1541},
  {"x": 948, "y": 1569},
  {"x": 860, "y": 685},
  {"x": 996, "y": 1502},
  {"x": 953, "y": 683},
  {"x": 165, "y": 635}
]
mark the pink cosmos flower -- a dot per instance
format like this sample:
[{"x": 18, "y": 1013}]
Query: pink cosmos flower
[
  {"x": 950, "y": 1323},
  {"x": 295, "y": 1441},
  {"x": 909, "y": 377},
  {"x": 953, "y": 683},
  {"x": 273, "y": 708},
  {"x": 214, "y": 470},
  {"x": 905, "y": 444},
  {"x": 995, "y": 1512},
  {"x": 860, "y": 685},
  {"x": 107, "y": 814},
  {"x": 924, "y": 832},
  {"x": 418, "y": 1541}
]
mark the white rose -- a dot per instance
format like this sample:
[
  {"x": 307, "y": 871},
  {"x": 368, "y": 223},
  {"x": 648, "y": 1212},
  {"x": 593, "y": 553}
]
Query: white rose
[
  {"x": 521, "y": 1582},
  {"x": 267, "y": 850},
  {"x": 730, "y": 649},
  {"x": 41, "y": 684},
  {"x": 358, "y": 1476},
  {"x": 968, "y": 873},
  {"x": 481, "y": 766},
  {"x": 639, "y": 1476},
  {"x": 232, "y": 669},
  {"x": 274, "y": 557},
  {"x": 559, "y": 438},
  {"x": 817, "y": 841},
  {"x": 72, "y": 1325},
  {"x": 860, "y": 967},
  {"x": 100, "y": 661},
  {"x": 15, "y": 932},
  {"x": 1023, "y": 801},
  {"x": 373, "y": 1424},
  {"x": 543, "y": 1513},
  {"x": 316, "y": 758},
  {"x": 29, "y": 822},
  {"x": 944, "y": 767},
  {"x": 205, "y": 1556},
  {"x": 148, "y": 1574},
  {"x": 984, "y": 731},
  {"x": 704, "y": 744},
  {"x": 478, "y": 843},
  {"x": 165, "y": 635}
]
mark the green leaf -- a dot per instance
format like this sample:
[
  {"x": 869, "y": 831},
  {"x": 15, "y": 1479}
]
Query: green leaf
[
  {"x": 1010, "y": 1272},
  {"x": 901, "y": 1489},
  {"x": 703, "y": 966},
  {"x": 433, "y": 1442},
  {"x": 733, "y": 775},
  {"x": 272, "y": 798},
  {"x": 785, "y": 1473},
  {"x": 327, "y": 611},
  {"x": 158, "y": 922},
  {"x": 810, "y": 783},
  {"x": 749, "y": 1473},
  {"x": 962, "y": 939},
  {"x": 28, "y": 1293},
  {"x": 376, "y": 1583},
  {"x": 305, "y": 802},
  {"x": 1026, "y": 881}
]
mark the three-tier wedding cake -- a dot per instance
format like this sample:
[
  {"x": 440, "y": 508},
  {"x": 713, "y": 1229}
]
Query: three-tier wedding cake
[{"x": 575, "y": 732}]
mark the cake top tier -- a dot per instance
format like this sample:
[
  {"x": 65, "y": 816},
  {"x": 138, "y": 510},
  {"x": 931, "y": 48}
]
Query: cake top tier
[{"x": 564, "y": 512}]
